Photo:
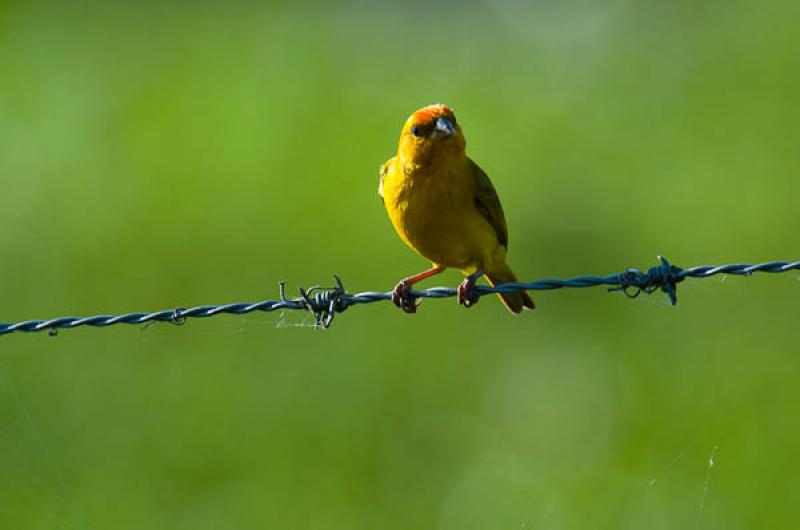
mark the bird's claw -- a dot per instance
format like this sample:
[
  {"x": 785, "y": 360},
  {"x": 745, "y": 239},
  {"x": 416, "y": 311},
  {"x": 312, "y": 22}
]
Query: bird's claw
[
  {"x": 402, "y": 297},
  {"x": 466, "y": 294}
]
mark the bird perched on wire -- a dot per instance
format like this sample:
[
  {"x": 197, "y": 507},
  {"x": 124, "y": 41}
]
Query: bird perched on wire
[{"x": 445, "y": 208}]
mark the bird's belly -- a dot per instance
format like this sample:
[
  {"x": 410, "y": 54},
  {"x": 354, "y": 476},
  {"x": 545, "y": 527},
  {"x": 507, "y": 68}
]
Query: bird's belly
[{"x": 448, "y": 230}]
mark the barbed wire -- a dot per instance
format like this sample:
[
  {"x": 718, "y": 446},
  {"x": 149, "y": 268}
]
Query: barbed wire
[{"x": 326, "y": 302}]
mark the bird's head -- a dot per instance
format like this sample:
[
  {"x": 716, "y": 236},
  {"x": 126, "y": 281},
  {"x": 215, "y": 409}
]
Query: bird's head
[{"x": 431, "y": 132}]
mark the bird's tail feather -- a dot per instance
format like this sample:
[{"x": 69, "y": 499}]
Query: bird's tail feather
[{"x": 515, "y": 302}]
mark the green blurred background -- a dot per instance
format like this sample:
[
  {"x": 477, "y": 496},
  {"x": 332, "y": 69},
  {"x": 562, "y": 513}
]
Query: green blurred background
[{"x": 170, "y": 155}]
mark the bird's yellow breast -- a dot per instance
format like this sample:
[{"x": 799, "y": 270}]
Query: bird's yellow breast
[{"x": 433, "y": 210}]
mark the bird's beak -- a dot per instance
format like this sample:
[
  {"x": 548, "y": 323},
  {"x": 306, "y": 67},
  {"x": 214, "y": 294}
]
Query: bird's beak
[{"x": 444, "y": 127}]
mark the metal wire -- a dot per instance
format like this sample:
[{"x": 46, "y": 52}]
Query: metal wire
[{"x": 326, "y": 302}]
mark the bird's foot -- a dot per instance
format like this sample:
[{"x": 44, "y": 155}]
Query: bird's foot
[
  {"x": 466, "y": 294},
  {"x": 402, "y": 297}
]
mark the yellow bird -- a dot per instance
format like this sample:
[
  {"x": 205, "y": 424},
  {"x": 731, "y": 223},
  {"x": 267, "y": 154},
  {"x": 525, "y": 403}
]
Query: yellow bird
[{"x": 445, "y": 208}]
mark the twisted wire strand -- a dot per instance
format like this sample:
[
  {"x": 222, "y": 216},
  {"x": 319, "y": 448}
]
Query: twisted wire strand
[{"x": 325, "y": 302}]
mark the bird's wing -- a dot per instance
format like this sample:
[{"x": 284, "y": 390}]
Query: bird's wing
[
  {"x": 488, "y": 203},
  {"x": 384, "y": 170}
]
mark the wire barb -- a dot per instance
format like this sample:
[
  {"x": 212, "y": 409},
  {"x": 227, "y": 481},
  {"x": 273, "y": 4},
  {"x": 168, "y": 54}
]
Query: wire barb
[
  {"x": 326, "y": 302},
  {"x": 633, "y": 282}
]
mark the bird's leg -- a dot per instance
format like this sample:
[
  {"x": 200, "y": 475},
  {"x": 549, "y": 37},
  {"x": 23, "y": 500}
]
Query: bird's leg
[
  {"x": 402, "y": 297},
  {"x": 465, "y": 294}
]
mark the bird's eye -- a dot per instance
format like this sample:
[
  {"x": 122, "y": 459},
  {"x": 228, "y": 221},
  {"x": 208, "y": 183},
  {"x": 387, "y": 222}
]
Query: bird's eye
[{"x": 416, "y": 130}]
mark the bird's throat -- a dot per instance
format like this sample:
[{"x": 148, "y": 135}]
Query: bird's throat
[{"x": 442, "y": 162}]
